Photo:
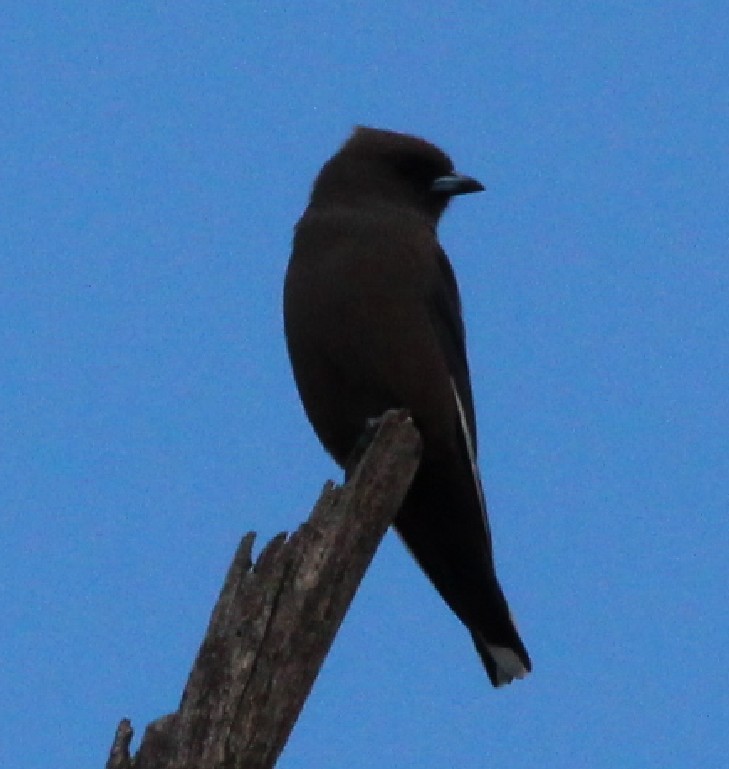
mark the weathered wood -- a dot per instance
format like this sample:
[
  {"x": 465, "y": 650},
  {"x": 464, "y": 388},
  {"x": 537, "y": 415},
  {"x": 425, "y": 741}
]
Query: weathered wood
[{"x": 275, "y": 622}]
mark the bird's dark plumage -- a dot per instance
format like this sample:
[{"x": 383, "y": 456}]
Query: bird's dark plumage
[{"x": 373, "y": 321}]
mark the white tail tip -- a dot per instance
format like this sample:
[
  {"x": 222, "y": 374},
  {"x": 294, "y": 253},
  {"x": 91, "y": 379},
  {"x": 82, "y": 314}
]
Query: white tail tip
[{"x": 508, "y": 664}]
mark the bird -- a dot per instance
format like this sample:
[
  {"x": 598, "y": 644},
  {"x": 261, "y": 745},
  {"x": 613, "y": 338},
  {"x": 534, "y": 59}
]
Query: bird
[{"x": 373, "y": 321}]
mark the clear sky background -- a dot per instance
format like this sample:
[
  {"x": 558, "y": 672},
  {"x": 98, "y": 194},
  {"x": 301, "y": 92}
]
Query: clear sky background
[{"x": 153, "y": 160}]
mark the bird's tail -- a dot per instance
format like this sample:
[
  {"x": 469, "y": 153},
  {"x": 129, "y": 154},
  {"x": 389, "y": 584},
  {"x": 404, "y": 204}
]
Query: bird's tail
[
  {"x": 503, "y": 663},
  {"x": 507, "y": 660}
]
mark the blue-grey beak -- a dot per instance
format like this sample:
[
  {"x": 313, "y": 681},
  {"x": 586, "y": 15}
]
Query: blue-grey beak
[{"x": 456, "y": 184}]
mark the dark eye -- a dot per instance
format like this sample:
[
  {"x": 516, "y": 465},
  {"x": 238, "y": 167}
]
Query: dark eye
[{"x": 416, "y": 168}]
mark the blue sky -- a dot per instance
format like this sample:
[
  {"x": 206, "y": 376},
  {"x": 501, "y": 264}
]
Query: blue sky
[{"x": 154, "y": 158}]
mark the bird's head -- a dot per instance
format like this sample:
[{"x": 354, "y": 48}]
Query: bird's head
[{"x": 379, "y": 167}]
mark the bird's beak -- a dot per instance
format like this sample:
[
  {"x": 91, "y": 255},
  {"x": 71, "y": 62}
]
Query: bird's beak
[{"x": 456, "y": 184}]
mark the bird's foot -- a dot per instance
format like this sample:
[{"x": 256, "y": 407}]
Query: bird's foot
[{"x": 364, "y": 440}]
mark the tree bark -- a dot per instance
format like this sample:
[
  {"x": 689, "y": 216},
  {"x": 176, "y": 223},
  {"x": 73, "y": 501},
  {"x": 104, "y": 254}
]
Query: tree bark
[{"x": 276, "y": 620}]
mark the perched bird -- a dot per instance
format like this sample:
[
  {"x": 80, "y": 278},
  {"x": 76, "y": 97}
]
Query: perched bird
[{"x": 372, "y": 317}]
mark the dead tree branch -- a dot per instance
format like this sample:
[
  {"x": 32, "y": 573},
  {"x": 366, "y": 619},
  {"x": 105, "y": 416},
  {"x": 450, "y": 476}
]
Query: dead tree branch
[{"x": 276, "y": 620}]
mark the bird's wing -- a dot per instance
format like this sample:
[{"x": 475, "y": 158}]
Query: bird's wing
[
  {"x": 447, "y": 318},
  {"x": 445, "y": 314}
]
